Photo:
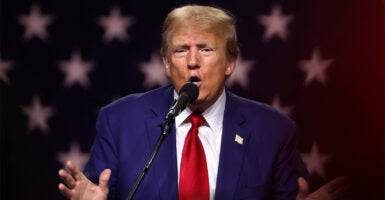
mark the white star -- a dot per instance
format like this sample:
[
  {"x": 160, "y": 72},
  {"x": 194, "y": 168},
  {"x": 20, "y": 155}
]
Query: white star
[
  {"x": 76, "y": 70},
  {"x": 75, "y": 155},
  {"x": 154, "y": 72},
  {"x": 35, "y": 23},
  {"x": 5, "y": 66},
  {"x": 315, "y": 161},
  {"x": 38, "y": 115},
  {"x": 115, "y": 25},
  {"x": 240, "y": 74},
  {"x": 315, "y": 68},
  {"x": 276, "y": 24},
  {"x": 277, "y": 104}
]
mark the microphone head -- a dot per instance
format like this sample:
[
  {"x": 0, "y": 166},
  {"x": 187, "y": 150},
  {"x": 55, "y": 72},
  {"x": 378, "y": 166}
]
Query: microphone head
[{"x": 191, "y": 90}]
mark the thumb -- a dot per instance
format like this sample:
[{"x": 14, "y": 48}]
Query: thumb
[
  {"x": 103, "y": 179},
  {"x": 303, "y": 189}
]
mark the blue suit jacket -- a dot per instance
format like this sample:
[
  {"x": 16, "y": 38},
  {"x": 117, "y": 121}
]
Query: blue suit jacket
[{"x": 265, "y": 166}]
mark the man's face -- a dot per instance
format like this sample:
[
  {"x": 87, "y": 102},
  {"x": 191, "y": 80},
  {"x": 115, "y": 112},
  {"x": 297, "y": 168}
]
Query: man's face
[{"x": 199, "y": 57}]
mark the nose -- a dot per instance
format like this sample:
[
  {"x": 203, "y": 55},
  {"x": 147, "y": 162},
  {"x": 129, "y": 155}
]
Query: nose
[{"x": 192, "y": 59}]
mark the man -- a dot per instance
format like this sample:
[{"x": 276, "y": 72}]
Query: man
[{"x": 249, "y": 148}]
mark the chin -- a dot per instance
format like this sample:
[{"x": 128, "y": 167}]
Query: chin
[
  {"x": 199, "y": 105},
  {"x": 197, "y": 102}
]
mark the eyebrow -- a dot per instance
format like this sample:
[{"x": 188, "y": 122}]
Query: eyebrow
[{"x": 199, "y": 45}]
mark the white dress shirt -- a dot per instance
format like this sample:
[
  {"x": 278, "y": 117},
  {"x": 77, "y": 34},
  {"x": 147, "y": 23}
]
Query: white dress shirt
[{"x": 209, "y": 133}]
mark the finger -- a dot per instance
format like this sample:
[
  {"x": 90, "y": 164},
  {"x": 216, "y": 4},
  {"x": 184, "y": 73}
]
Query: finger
[
  {"x": 303, "y": 188},
  {"x": 68, "y": 180},
  {"x": 103, "y": 179},
  {"x": 76, "y": 173},
  {"x": 334, "y": 184},
  {"x": 66, "y": 192}
]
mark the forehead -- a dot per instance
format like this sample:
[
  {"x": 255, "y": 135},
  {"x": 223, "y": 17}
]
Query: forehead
[{"x": 200, "y": 35}]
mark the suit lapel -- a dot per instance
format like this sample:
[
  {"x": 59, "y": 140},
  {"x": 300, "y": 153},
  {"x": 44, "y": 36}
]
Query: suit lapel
[
  {"x": 232, "y": 149},
  {"x": 164, "y": 166}
]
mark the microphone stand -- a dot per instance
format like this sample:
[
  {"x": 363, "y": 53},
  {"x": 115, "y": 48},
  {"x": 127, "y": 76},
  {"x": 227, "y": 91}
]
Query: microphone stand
[{"x": 166, "y": 128}]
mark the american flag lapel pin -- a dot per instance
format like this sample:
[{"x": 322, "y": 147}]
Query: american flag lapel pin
[{"x": 238, "y": 139}]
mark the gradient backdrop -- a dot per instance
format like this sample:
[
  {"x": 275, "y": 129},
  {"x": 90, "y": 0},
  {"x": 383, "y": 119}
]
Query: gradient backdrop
[{"x": 321, "y": 62}]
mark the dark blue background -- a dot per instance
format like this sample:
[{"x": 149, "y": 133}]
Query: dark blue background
[{"x": 345, "y": 116}]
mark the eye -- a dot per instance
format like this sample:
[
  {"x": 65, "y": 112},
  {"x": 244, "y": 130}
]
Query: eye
[
  {"x": 207, "y": 51},
  {"x": 180, "y": 52}
]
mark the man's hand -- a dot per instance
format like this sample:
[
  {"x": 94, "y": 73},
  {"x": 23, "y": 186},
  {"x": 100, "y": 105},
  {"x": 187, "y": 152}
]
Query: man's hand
[
  {"x": 78, "y": 187},
  {"x": 335, "y": 189}
]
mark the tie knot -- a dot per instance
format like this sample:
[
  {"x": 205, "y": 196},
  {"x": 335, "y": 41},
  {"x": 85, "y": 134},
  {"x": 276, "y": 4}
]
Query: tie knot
[{"x": 196, "y": 120}]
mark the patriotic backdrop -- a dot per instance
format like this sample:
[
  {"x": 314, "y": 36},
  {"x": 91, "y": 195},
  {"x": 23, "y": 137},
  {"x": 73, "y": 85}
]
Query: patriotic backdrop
[{"x": 321, "y": 62}]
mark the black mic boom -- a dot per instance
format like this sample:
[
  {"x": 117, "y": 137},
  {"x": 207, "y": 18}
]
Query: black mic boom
[{"x": 187, "y": 94}]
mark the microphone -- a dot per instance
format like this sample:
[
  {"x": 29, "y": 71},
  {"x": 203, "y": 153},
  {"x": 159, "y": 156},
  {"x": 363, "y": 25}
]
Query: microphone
[{"x": 187, "y": 94}]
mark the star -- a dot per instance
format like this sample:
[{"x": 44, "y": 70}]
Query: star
[
  {"x": 5, "y": 66},
  {"x": 35, "y": 23},
  {"x": 276, "y": 24},
  {"x": 38, "y": 115},
  {"x": 75, "y": 155},
  {"x": 315, "y": 68},
  {"x": 277, "y": 104},
  {"x": 115, "y": 25},
  {"x": 240, "y": 73},
  {"x": 315, "y": 161},
  {"x": 76, "y": 71},
  {"x": 154, "y": 72}
]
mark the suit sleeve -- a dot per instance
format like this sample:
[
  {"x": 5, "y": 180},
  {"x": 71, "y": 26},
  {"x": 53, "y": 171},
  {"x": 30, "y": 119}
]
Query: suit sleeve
[
  {"x": 288, "y": 167},
  {"x": 103, "y": 154}
]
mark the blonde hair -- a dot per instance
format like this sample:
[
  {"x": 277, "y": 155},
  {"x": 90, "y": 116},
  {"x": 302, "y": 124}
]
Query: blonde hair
[{"x": 206, "y": 18}]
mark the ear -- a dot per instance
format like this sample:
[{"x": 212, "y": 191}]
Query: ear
[
  {"x": 166, "y": 64},
  {"x": 230, "y": 67}
]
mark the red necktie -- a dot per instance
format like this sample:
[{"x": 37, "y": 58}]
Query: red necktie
[{"x": 193, "y": 181}]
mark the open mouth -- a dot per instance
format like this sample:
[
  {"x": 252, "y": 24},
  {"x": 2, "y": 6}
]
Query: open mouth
[{"x": 195, "y": 80}]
